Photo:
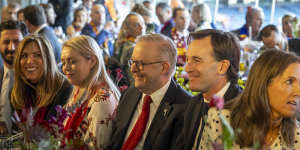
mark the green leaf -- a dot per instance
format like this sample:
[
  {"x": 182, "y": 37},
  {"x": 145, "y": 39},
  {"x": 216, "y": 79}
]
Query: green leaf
[{"x": 228, "y": 134}]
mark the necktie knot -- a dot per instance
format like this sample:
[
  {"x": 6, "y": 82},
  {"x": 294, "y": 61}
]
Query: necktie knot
[{"x": 147, "y": 99}]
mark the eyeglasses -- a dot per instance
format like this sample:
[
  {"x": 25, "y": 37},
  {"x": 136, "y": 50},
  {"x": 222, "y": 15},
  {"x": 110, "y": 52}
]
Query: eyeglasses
[{"x": 141, "y": 64}]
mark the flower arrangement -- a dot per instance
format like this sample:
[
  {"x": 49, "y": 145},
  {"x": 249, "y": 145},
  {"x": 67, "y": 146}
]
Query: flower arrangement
[
  {"x": 120, "y": 79},
  {"x": 40, "y": 134}
]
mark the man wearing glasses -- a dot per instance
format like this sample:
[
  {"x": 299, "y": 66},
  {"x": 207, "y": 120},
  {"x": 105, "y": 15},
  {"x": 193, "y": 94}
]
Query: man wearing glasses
[{"x": 149, "y": 115}]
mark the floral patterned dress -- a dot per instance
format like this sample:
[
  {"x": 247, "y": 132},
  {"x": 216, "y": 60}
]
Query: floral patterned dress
[
  {"x": 97, "y": 112},
  {"x": 213, "y": 131}
]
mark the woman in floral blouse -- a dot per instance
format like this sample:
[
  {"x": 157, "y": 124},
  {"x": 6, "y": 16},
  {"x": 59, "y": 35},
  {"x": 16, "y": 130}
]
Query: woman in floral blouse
[
  {"x": 264, "y": 114},
  {"x": 94, "y": 98}
]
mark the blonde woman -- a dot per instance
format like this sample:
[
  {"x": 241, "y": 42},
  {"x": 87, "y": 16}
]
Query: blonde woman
[
  {"x": 38, "y": 82},
  {"x": 94, "y": 98}
]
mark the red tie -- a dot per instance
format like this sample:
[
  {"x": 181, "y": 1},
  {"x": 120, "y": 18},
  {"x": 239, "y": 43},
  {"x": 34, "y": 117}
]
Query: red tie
[{"x": 138, "y": 130}]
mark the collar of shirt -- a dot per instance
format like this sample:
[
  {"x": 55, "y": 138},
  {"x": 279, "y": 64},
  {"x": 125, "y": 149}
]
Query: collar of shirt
[
  {"x": 40, "y": 28},
  {"x": 5, "y": 70},
  {"x": 183, "y": 34},
  {"x": 159, "y": 94},
  {"x": 221, "y": 93}
]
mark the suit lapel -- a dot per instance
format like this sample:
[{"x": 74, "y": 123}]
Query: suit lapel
[
  {"x": 233, "y": 91},
  {"x": 161, "y": 115},
  {"x": 1, "y": 76},
  {"x": 196, "y": 116},
  {"x": 129, "y": 107}
]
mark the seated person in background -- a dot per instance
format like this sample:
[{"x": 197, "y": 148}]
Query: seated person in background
[
  {"x": 148, "y": 4},
  {"x": 36, "y": 21},
  {"x": 10, "y": 12},
  {"x": 164, "y": 15},
  {"x": 50, "y": 16},
  {"x": 38, "y": 82},
  {"x": 264, "y": 114},
  {"x": 98, "y": 29},
  {"x": 287, "y": 25},
  {"x": 94, "y": 97},
  {"x": 272, "y": 38},
  {"x": 201, "y": 17},
  {"x": 151, "y": 27},
  {"x": 80, "y": 19},
  {"x": 254, "y": 20},
  {"x": 20, "y": 15},
  {"x": 50, "y": 13},
  {"x": 132, "y": 27},
  {"x": 88, "y": 4},
  {"x": 179, "y": 33}
]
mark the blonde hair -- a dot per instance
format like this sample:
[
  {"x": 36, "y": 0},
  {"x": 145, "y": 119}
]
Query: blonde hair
[
  {"x": 87, "y": 47},
  {"x": 44, "y": 91},
  {"x": 124, "y": 33}
]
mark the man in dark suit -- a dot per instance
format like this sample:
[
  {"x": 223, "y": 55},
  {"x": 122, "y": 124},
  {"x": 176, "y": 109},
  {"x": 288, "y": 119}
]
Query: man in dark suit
[
  {"x": 63, "y": 10},
  {"x": 212, "y": 65},
  {"x": 36, "y": 21},
  {"x": 152, "y": 64},
  {"x": 99, "y": 29},
  {"x": 11, "y": 33}
]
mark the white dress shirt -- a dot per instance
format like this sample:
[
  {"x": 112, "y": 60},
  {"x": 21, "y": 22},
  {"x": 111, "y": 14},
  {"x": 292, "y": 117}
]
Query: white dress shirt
[
  {"x": 156, "y": 97},
  {"x": 221, "y": 93}
]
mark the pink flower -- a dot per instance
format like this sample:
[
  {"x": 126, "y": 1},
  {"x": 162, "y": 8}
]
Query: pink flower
[
  {"x": 217, "y": 102},
  {"x": 119, "y": 76},
  {"x": 118, "y": 70},
  {"x": 123, "y": 88},
  {"x": 108, "y": 71},
  {"x": 217, "y": 146}
]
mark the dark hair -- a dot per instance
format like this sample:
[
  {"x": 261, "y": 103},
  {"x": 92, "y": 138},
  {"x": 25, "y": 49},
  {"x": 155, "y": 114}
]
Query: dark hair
[
  {"x": 12, "y": 25},
  {"x": 175, "y": 10},
  {"x": 20, "y": 11},
  {"x": 250, "y": 113},
  {"x": 163, "y": 6},
  {"x": 267, "y": 30},
  {"x": 35, "y": 15},
  {"x": 225, "y": 46}
]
